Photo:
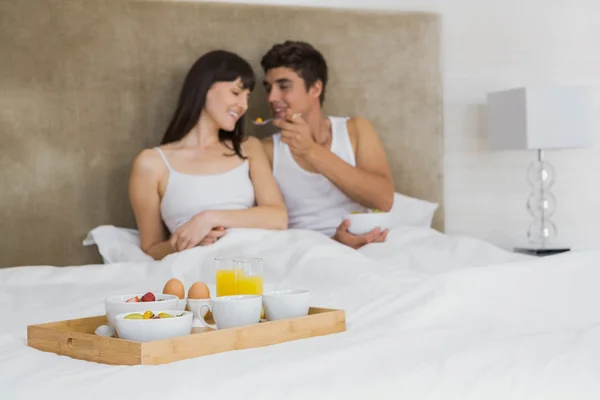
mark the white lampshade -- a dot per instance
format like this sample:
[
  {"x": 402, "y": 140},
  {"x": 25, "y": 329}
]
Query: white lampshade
[{"x": 540, "y": 118}]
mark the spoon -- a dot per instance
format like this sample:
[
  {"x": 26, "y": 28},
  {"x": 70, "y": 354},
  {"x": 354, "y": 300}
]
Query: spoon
[
  {"x": 261, "y": 123},
  {"x": 266, "y": 121}
]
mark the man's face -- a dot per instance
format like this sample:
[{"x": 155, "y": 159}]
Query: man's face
[{"x": 286, "y": 89}]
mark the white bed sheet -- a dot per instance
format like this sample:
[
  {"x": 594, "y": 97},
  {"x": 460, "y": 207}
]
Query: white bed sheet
[{"x": 429, "y": 316}]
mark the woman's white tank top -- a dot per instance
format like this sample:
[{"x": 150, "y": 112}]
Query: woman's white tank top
[
  {"x": 312, "y": 201},
  {"x": 187, "y": 195}
]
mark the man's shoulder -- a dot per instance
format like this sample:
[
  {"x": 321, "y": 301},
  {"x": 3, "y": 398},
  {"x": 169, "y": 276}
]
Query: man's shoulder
[
  {"x": 360, "y": 129},
  {"x": 356, "y": 123}
]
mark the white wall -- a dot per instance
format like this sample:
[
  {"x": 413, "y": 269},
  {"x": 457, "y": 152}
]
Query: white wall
[{"x": 494, "y": 45}]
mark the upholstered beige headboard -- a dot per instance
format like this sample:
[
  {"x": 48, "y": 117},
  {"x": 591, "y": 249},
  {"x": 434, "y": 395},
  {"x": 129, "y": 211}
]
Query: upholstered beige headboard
[{"x": 86, "y": 84}]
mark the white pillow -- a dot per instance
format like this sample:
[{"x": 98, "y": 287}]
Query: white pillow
[
  {"x": 117, "y": 244},
  {"x": 410, "y": 211}
]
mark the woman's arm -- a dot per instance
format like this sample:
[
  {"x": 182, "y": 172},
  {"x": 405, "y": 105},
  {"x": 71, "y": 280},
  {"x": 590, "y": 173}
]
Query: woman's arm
[
  {"x": 269, "y": 212},
  {"x": 145, "y": 201}
]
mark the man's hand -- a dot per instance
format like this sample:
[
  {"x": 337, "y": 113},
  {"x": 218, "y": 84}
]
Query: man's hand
[
  {"x": 357, "y": 241},
  {"x": 295, "y": 133}
]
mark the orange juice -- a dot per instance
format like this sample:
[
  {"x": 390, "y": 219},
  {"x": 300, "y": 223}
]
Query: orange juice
[
  {"x": 226, "y": 282},
  {"x": 250, "y": 284}
]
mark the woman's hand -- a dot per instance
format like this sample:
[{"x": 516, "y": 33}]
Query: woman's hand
[
  {"x": 193, "y": 232},
  {"x": 212, "y": 237}
]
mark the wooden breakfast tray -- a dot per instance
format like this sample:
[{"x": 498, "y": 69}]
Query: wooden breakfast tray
[{"x": 76, "y": 338}]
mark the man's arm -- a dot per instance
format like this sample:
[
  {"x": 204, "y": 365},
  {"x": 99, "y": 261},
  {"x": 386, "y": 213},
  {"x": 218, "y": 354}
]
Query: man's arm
[{"x": 370, "y": 183}]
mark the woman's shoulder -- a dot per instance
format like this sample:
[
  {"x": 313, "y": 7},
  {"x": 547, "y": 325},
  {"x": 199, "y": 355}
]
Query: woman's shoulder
[
  {"x": 251, "y": 145},
  {"x": 149, "y": 161}
]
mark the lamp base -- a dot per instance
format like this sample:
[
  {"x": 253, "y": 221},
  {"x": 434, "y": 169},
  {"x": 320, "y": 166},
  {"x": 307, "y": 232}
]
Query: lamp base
[{"x": 541, "y": 252}]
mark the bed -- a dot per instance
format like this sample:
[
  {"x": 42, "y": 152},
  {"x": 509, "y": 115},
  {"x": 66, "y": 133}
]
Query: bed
[{"x": 429, "y": 315}]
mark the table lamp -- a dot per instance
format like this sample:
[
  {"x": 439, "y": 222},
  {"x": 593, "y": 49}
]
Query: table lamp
[{"x": 540, "y": 118}]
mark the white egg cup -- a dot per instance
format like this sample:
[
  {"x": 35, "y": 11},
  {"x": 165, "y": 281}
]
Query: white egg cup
[{"x": 194, "y": 306}]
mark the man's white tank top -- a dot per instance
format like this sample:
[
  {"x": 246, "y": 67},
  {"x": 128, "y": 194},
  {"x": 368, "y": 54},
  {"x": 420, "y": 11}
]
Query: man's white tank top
[
  {"x": 312, "y": 201},
  {"x": 187, "y": 195}
]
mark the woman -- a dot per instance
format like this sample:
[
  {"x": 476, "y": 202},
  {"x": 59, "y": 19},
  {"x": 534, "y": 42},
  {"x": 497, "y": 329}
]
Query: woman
[{"x": 206, "y": 176}]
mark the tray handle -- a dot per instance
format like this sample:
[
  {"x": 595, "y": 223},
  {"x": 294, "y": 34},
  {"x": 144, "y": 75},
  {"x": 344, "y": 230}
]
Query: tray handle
[{"x": 77, "y": 343}]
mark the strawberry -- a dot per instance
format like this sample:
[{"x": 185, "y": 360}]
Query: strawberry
[
  {"x": 134, "y": 300},
  {"x": 148, "y": 297}
]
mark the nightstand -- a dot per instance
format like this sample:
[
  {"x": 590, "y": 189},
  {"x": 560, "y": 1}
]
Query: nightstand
[{"x": 540, "y": 252}]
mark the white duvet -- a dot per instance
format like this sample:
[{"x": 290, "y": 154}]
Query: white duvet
[{"x": 429, "y": 316}]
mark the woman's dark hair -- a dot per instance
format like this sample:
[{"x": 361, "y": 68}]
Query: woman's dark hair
[
  {"x": 214, "y": 66},
  {"x": 302, "y": 58}
]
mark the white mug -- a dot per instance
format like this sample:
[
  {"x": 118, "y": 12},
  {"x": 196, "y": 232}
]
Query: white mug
[{"x": 232, "y": 311}]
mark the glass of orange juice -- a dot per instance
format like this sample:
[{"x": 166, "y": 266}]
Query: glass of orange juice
[
  {"x": 226, "y": 277},
  {"x": 250, "y": 278}
]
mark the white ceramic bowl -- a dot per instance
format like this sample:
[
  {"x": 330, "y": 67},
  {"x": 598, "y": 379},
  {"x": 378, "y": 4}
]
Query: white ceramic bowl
[
  {"x": 363, "y": 223},
  {"x": 118, "y": 304},
  {"x": 284, "y": 304},
  {"x": 145, "y": 330}
]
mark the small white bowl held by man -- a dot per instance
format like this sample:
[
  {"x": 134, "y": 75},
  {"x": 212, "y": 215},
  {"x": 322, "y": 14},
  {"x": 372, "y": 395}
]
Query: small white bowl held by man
[
  {"x": 118, "y": 304},
  {"x": 285, "y": 304},
  {"x": 363, "y": 223},
  {"x": 179, "y": 323}
]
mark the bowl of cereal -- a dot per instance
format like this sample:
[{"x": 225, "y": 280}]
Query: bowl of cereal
[
  {"x": 153, "y": 324},
  {"x": 362, "y": 223},
  {"x": 137, "y": 302}
]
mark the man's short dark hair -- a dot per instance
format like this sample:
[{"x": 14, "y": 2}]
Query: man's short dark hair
[{"x": 302, "y": 58}]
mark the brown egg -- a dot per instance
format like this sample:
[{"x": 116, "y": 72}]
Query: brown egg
[
  {"x": 199, "y": 290},
  {"x": 175, "y": 287}
]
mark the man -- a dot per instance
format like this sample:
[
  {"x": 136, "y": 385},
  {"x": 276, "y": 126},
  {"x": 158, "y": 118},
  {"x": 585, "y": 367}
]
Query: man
[{"x": 328, "y": 167}]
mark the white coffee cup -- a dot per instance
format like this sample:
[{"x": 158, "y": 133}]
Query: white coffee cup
[
  {"x": 285, "y": 304},
  {"x": 232, "y": 311}
]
